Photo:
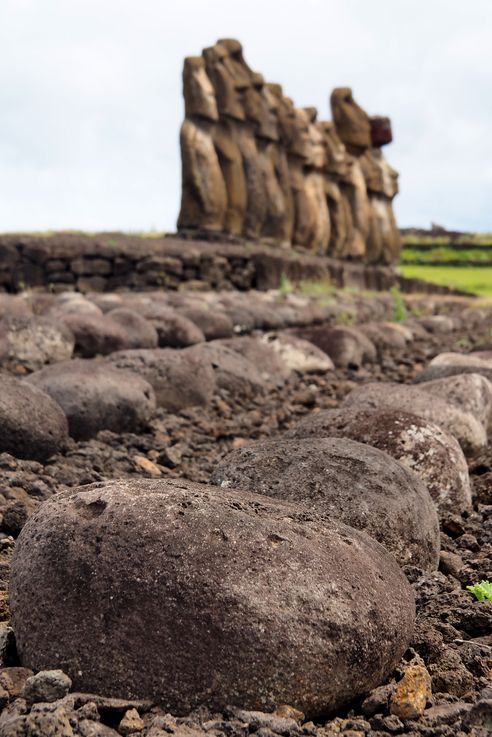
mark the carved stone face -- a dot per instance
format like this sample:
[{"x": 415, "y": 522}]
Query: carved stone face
[
  {"x": 198, "y": 91},
  {"x": 218, "y": 69},
  {"x": 260, "y": 107},
  {"x": 284, "y": 111},
  {"x": 300, "y": 145},
  {"x": 235, "y": 63},
  {"x": 336, "y": 158},
  {"x": 351, "y": 121},
  {"x": 381, "y": 133}
]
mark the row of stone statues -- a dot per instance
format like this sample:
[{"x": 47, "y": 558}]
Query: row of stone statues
[{"x": 255, "y": 166}]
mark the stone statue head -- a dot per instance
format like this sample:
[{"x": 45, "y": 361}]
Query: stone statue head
[
  {"x": 260, "y": 107},
  {"x": 218, "y": 69},
  {"x": 198, "y": 91},
  {"x": 381, "y": 133},
  {"x": 300, "y": 144},
  {"x": 284, "y": 111},
  {"x": 336, "y": 157},
  {"x": 351, "y": 121},
  {"x": 235, "y": 63}
]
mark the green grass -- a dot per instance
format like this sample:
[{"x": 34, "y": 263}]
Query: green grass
[
  {"x": 473, "y": 279},
  {"x": 479, "y": 239},
  {"x": 444, "y": 254}
]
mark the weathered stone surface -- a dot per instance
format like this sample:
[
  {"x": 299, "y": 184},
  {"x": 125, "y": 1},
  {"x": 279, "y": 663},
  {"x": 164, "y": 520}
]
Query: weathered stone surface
[
  {"x": 95, "y": 335},
  {"x": 342, "y": 479},
  {"x": 96, "y": 396},
  {"x": 437, "y": 323},
  {"x": 13, "y": 305},
  {"x": 140, "y": 332},
  {"x": 412, "y": 693},
  {"x": 298, "y": 354},
  {"x": 34, "y": 341},
  {"x": 345, "y": 346},
  {"x": 468, "y": 431},
  {"x": 234, "y": 373},
  {"x": 212, "y": 323},
  {"x": 269, "y": 586},
  {"x": 173, "y": 330},
  {"x": 472, "y": 393},
  {"x": 351, "y": 121},
  {"x": 441, "y": 371},
  {"x": 179, "y": 379},
  {"x": 422, "y": 446},
  {"x": 265, "y": 359},
  {"x": 46, "y": 686},
  {"x": 32, "y": 425}
]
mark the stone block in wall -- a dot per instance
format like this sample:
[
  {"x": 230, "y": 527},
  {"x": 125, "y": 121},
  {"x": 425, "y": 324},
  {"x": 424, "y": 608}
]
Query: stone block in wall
[
  {"x": 60, "y": 277},
  {"x": 91, "y": 266},
  {"x": 122, "y": 266},
  {"x": 91, "y": 284},
  {"x": 56, "y": 265},
  {"x": 161, "y": 264},
  {"x": 214, "y": 269}
]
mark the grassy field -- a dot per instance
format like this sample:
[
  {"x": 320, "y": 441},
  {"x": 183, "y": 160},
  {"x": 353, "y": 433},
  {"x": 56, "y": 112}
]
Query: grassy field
[
  {"x": 445, "y": 254},
  {"x": 474, "y": 279}
]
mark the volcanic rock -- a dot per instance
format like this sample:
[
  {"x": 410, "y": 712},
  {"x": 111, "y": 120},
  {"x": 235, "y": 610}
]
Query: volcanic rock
[
  {"x": 472, "y": 393},
  {"x": 298, "y": 354},
  {"x": 96, "y": 335},
  {"x": 34, "y": 341},
  {"x": 179, "y": 379},
  {"x": 234, "y": 373},
  {"x": 337, "y": 478},
  {"x": 96, "y": 396},
  {"x": 140, "y": 332},
  {"x": 212, "y": 323},
  {"x": 420, "y": 445},
  {"x": 32, "y": 425},
  {"x": 467, "y": 430},
  {"x": 191, "y": 595},
  {"x": 345, "y": 346}
]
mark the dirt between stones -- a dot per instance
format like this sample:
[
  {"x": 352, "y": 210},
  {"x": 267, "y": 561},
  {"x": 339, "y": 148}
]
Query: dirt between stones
[{"x": 453, "y": 635}]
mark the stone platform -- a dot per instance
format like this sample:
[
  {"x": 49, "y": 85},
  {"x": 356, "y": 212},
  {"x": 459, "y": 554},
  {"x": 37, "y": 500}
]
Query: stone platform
[{"x": 112, "y": 261}]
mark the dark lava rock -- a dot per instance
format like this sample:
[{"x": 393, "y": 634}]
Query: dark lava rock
[
  {"x": 32, "y": 424},
  {"x": 173, "y": 330},
  {"x": 189, "y": 595},
  {"x": 345, "y": 346},
  {"x": 96, "y": 335},
  {"x": 212, "y": 323},
  {"x": 139, "y": 331},
  {"x": 96, "y": 396},
  {"x": 233, "y": 372},
  {"x": 336, "y": 478},
  {"x": 261, "y": 355},
  {"x": 420, "y": 445},
  {"x": 468, "y": 431},
  {"x": 179, "y": 379},
  {"x": 441, "y": 371}
]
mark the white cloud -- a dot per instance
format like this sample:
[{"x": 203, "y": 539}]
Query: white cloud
[{"x": 91, "y": 98}]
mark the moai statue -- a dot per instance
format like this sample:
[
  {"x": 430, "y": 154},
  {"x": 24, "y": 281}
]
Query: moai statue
[
  {"x": 260, "y": 107},
  {"x": 203, "y": 194},
  {"x": 319, "y": 236},
  {"x": 336, "y": 169},
  {"x": 296, "y": 125},
  {"x": 354, "y": 129},
  {"x": 384, "y": 241},
  {"x": 225, "y": 135},
  {"x": 242, "y": 128}
]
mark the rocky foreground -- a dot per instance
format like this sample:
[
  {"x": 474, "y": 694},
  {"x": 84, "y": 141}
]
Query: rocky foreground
[{"x": 229, "y": 513}]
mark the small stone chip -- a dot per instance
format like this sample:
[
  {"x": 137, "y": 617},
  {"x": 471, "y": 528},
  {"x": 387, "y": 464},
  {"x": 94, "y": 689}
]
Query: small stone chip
[
  {"x": 149, "y": 467},
  {"x": 412, "y": 693},
  {"x": 131, "y": 722}
]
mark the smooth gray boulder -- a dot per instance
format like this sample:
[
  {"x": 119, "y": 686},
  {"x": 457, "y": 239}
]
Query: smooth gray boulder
[
  {"x": 468, "y": 431},
  {"x": 337, "y": 478},
  {"x": 472, "y": 393},
  {"x": 266, "y": 360},
  {"x": 235, "y": 374},
  {"x": 173, "y": 330},
  {"x": 212, "y": 323},
  {"x": 34, "y": 341},
  {"x": 346, "y": 346},
  {"x": 191, "y": 595},
  {"x": 298, "y": 354},
  {"x": 179, "y": 379},
  {"x": 96, "y": 335},
  {"x": 96, "y": 396},
  {"x": 422, "y": 446},
  {"x": 32, "y": 424},
  {"x": 139, "y": 331}
]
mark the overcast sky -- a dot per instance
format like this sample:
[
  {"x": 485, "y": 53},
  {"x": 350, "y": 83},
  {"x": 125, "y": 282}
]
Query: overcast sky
[{"x": 91, "y": 99}]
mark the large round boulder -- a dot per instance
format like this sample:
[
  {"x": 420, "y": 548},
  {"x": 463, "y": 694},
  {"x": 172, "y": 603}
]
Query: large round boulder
[
  {"x": 189, "y": 595},
  {"x": 347, "y": 347},
  {"x": 173, "y": 330},
  {"x": 268, "y": 362},
  {"x": 235, "y": 374},
  {"x": 298, "y": 354},
  {"x": 96, "y": 396},
  {"x": 212, "y": 323},
  {"x": 422, "y": 446},
  {"x": 472, "y": 393},
  {"x": 32, "y": 424},
  {"x": 34, "y": 341},
  {"x": 179, "y": 379},
  {"x": 468, "y": 431},
  {"x": 140, "y": 332},
  {"x": 96, "y": 335},
  {"x": 337, "y": 478}
]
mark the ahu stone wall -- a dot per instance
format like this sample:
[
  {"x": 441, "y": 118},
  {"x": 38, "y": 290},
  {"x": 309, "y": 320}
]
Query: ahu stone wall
[{"x": 256, "y": 166}]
